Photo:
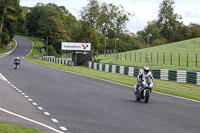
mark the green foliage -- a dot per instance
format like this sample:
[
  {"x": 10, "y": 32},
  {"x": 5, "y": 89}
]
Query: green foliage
[
  {"x": 105, "y": 20},
  {"x": 51, "y": 51},
  {"x": 48, "y": 20},
  {"x": 10, "y": 15}
]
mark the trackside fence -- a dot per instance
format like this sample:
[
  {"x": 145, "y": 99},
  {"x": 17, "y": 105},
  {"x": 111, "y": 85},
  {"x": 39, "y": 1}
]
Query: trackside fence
[
  {"x": 56, "y": 60},
  {"x": 163, "y": 74}
]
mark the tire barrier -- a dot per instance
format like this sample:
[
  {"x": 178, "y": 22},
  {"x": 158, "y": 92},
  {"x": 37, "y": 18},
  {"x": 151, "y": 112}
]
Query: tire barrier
[
  {"x": 163, "y": 74},
  {"x": 56, "y": 60}
]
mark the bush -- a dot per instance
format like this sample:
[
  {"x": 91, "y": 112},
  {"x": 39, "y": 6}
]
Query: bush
[
  {"x": 51, "y": 51},
  {"x": 158, "y": 42}
]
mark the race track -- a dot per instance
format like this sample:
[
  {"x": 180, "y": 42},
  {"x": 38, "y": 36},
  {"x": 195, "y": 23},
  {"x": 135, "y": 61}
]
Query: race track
[{"x": 88, "y": 105}]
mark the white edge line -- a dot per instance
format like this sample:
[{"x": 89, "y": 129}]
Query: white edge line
[
  {"x": 1, "y": 75},
  {"x": 33, "y": 121},
  {"x": 31, "y": 48},
  {"x": 110, "y": 81}
]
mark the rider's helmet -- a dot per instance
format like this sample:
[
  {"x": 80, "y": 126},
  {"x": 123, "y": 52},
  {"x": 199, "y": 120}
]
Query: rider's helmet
[
  {"x": 17, "y": 58},
  {"x": 146, "y": 69}
]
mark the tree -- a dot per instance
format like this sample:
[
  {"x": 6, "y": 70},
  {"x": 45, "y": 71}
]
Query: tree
[
  {"x": 168, "y": 20},
  {"x": 10, "y": 13},
  {"x": 103, "y": 20},
  {"x": 193, "y": 31},
  {"x": 48, "y": 20}
]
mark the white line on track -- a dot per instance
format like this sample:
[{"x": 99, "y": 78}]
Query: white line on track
[
  {"x": 33, "y": 121},
  {"x": 30, "y": 100},
  {"x": 35, "y": 104},
  {"x": 46, "y": 113},
  {"x": 40, "y": 108},
  {"x": 63, "y": 128},
  {"x": 54, "y": 120}
]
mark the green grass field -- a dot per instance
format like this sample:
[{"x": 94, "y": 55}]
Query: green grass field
[
  {"x": 168, "y": 87},
  {"x": 10, "y": 128},
  {"x": 161, "y": 57}
]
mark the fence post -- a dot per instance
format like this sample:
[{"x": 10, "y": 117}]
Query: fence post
[
  {"x": 196, "y": 59},
  {"x": 151, "y": 58},
  {"x": 130, "y": 56},
  {"x": 157, "y": 58},
  {"x": 171, "y": 58},
  {"x": 125, "y": 55},
  {"x": 179, "y": 62},
  {"x": 135, "y": 56},
  {"x": 187, "y": 60},
  {"x": 117, "y": 54},
  {"x": 140, "y": 56},
  {"x": 163, "y": 58}
]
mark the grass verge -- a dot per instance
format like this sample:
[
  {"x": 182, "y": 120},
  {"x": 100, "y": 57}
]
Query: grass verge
[
  {"x": 4, "y": 49},
  {"x": 10, "y": 128},
  {"x": 168, "y": 87}
]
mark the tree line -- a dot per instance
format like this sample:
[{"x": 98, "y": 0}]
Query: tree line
[
  {"x": 168, "y": 27},
  {"x": 99, "y": 23}
]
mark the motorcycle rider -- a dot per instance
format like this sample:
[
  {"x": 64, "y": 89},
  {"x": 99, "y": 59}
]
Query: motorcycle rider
[
  {"x": 144, "y": 73},
  {"x": 16, "y": 60}
]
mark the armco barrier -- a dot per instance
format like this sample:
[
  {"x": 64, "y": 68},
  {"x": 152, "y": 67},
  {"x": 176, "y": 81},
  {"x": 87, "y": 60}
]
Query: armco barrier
[
  {"x": 56, "y": 60},
  {"x": 173, "y": 75}
]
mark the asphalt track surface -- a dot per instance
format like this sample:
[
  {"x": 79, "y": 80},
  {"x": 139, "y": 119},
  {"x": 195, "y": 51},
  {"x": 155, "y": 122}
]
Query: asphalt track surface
[{"x": 88, "y": 105}]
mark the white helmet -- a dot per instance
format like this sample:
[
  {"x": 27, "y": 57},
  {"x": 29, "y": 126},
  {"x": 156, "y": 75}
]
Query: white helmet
[
  {"x": 146, "y": 69},
  {"x": 17, "y": 58}
]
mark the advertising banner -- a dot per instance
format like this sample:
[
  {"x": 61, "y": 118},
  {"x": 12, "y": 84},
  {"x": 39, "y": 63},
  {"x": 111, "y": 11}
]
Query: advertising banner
[{"x": 76, "y": 46}]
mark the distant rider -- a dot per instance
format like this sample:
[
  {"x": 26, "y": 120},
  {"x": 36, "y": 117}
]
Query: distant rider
[
  {"x": 17, "y": 60},
  {"x": 144, "y": 74}
]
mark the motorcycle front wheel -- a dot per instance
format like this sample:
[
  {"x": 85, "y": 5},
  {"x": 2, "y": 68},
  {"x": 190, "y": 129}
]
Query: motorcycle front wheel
[{"x": 146, "y": 97}]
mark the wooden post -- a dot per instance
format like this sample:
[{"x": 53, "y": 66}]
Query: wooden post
[
  {"x": 171, "y": 58},
  {"x": 157, "y": 58},
  {"x": 196, "y": 59},
  {"x": 151, "y": 58},
  {"x": 117, "y": 54},
  {"x": 140, "y": 56},
  {"x": 125, "y": 55},
  {"x": 163, "y": 58},
  {"x": 187, "y": 60},
  {"x": 135, "y": 56},
  {"x": 130, "y": 56},
  {"x": 179, "y": 62}
]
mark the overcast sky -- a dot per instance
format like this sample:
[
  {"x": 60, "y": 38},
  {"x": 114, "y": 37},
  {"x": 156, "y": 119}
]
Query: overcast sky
[{"x": 143, "y": 10}]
